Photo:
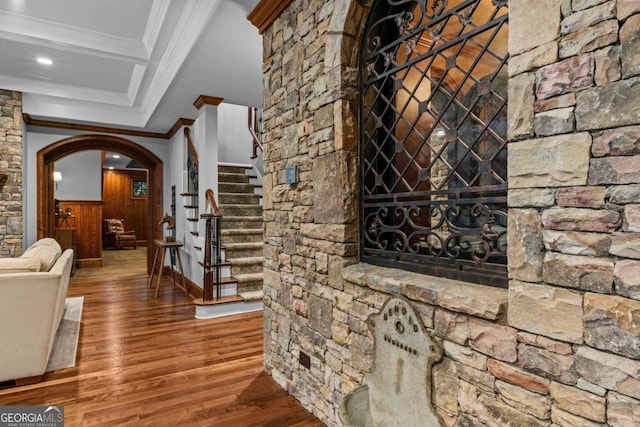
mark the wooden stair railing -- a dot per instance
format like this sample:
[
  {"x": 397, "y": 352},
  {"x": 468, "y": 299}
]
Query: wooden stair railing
[
  {"x": 253, "y": 122},
  {"x": 192, "y": 148}
]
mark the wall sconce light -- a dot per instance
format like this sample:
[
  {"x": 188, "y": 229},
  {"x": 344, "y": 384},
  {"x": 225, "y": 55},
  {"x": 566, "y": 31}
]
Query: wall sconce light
[{"x": 57, "y": 178}]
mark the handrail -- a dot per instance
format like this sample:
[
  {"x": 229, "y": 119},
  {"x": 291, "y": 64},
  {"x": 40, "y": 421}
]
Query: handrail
[
  {"x": 192, "y": 147},
  {"x": 252, "y": 123},
  {"x": 212, "y": 202}
]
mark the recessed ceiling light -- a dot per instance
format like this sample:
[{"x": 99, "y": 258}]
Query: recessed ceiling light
[
  {"x": 116, "y": 156},
  {"x": 110, "y": 168},
  {"x": 44, "y": 61}
]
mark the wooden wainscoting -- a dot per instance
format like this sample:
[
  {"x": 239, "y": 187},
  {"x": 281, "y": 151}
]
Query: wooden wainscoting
[
  {"x": 87, "y": 220},
  {"x": 121, "y": 202}
]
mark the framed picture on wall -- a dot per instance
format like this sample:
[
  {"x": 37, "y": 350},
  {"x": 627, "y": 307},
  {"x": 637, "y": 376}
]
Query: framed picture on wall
[{"x": 139, "y": 188}]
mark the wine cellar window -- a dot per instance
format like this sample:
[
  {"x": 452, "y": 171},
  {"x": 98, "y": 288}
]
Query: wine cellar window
[{"x": 433, "y": 86}]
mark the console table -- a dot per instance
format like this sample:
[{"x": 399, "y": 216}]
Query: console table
[{"x": 173, "y": 249}]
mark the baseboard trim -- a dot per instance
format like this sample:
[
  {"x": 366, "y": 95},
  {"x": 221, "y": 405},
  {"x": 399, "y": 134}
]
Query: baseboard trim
[{"x": 90, "y": 262}]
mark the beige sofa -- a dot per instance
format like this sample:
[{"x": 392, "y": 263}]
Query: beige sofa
[{"x": 33, "y": 288}]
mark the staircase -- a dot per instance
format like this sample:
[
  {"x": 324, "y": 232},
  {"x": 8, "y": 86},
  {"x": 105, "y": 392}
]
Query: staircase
[{"x": 242, "y": 235}]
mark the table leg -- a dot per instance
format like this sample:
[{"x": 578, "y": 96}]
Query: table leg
[
  {"x": 153, "y": 267},
  {"x": 173, "y": 275},
  {"x": 181, "y": 271},
  {"x": 164, "y": 251}
]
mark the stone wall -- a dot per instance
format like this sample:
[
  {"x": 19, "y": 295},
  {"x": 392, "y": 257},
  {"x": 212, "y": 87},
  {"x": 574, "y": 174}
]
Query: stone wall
[
  {"x": 561, "y": 346},
  {"x": 11, "y": 164}
]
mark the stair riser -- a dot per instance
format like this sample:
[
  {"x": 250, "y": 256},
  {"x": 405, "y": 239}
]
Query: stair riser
[
  {"x": 245, "y": 269},
  {"x": 239, "y": 199},
  {"x": 241, "y": 253},
  {"x": 250, "y": 286},
  {"x": 248, "y": 210},
  {"x": 232, "y": 169},
  {"x": 233, "y": 177},
  {"x": 243, "y": 238},
  {"x": 226, "y": 225},
  {"x": 228, "y": 187}
]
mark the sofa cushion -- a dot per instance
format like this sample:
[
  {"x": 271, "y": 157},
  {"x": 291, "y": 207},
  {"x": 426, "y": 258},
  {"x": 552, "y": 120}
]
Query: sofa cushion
[
  {"x": 46, "y": 254},
  {"x": 19, "y": 265},
  {"x": 48, "y": 241}
]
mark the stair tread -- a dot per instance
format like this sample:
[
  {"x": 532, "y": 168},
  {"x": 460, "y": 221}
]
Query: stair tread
[
  {"x": 244, "y": 245},
  {"x": 251, "y": 295},
  {"x": 249, "y": 277},
  {"x": 241, "y": 231},
  {"x": 243, "y": 217},
  {"x": 249, "y": 260}
]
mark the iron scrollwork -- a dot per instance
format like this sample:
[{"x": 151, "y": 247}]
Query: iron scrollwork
[{"x": 433, "y": 139}]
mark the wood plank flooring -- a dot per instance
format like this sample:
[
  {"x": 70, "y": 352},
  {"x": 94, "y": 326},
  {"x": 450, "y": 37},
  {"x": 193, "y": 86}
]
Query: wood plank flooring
[{"x": 144, "y": 361}]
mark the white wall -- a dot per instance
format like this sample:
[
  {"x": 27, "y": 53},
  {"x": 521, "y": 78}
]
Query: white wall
[
  {"x": 38, "y": 138},
  {"x": 233, "y": 134},
  {"x": 81, "y": 176}
]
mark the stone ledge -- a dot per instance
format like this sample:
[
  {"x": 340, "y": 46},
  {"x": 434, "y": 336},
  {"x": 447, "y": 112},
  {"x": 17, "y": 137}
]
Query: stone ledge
[{"x": 462, "y": 297}]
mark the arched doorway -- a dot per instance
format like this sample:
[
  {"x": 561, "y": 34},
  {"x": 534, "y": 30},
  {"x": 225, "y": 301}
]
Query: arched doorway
[{"x": 45, "y": 185}]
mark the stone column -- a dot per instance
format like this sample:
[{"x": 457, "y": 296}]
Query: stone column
[{"x": 11, "y": 163}]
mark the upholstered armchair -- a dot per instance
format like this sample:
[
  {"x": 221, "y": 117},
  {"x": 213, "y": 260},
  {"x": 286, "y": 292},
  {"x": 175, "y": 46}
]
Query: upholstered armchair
[{"x": 114, "y": 235}]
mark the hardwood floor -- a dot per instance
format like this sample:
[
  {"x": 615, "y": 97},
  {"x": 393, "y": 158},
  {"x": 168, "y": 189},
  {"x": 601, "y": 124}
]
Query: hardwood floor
[{"x": 144, "y": 361}]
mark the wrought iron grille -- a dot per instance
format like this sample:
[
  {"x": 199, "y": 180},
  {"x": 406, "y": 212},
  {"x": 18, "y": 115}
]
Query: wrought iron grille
[{"x": 433, "y": 138}]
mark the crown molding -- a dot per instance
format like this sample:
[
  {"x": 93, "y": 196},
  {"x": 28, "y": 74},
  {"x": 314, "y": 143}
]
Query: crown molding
[
  {"x": 207, "y": 100},
  {"x": 192, "y": 22},
  {"x": 267, "y": 11},
  {"x": 67, "y": 37},
  {"x": 101, "y": 129},
  {"x": 157, "y": 15}
]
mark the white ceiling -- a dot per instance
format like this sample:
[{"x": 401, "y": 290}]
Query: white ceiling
[{"x": 137, "y": 64}]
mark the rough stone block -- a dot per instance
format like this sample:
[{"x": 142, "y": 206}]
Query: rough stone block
[
  {"x": 591, "y": 388},
  {"x": 623, "y": 141},
  {"x": 615, "y": 170},
  {"x": 566, "y": 160},
  {"x": 517, "y": 376},
  {"x": 445, "y": 386},
  {"x": 622, "y": 411},
  {"x": 491, "y": 412},
  {"x": 578, "y": 272},
  {"x": 320, "y": 315},
  {"x": 625, "y": 245},
  {"x": 545, "y": 343},
  {"x": 577, "y": 5},
  {"x": 577, "y": 243},
  {"x": 609, "y": 106},
  {"x": 499, "y": 342},
  {"x": 581, "y": 197},
  {"x": 529, "y": 17},
  {"x": 547, "y": 364},
  {"x": 335, "y": 181},
  {"x": 626, "y": 8},
  {"x": 578, "y": 402},
  {"x": 535, "y": 58},
  {"x": 570, "y": 75},
  {"x": 525, "y": 401},
  {"x": 588, "y": 18},
  {"x": 546, "y": 310},
  {"x": 589, "y": 39},
  {"x": 554, "y": 122},
  {"x": 608, "y": 66},
  {"x": 562, "y": 418},
  {"x": 525, "y": 249},
  {"x": 531, "y": 197},
  {"x": 612, "y": 323},
  {"x": 465, "y": 355},
  {"x": 630, "y": 45},
  {"x": 631, "y": 218},
  {"x": 520, "y": 106},
  {"x": 626, "y": 278},
  {"x": 579, "y": 219},
  {"x": 561, "y": 101},
  {"x": 451, "y": 326},
  {"x": 610, "y": 371}
]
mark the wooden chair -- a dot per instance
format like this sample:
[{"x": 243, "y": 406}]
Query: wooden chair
[{"x": 114, "y": 235}]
